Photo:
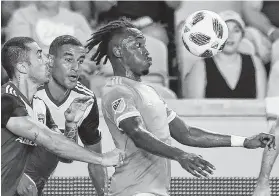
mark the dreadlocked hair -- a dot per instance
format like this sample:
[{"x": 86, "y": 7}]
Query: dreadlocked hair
[{"x": 102, "y": 37}]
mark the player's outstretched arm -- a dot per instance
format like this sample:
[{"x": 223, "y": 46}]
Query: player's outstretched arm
[
  {"x": 268, "y": 160},
  {"x": 59, "y": 144},
  {"x": 134, "y": 128},
  {"x": 192, "y": 136}
]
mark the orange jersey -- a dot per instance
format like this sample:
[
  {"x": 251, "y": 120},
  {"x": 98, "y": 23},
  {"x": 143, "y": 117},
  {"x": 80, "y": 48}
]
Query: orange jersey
[{"x": 144, "y": 172}]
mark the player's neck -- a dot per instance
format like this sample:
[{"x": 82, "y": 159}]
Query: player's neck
[
  {"x": 227, "y": 57},
  {"x": 27, "y": 87},
  {"x": 127, "y": 74},
  {"x": 57, "y": 91}
]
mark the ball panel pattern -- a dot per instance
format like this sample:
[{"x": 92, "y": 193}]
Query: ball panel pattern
[{"x": 199, "y": 38}]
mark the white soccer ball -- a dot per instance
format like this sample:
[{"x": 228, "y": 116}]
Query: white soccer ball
[{"x": 204, "y": 33}]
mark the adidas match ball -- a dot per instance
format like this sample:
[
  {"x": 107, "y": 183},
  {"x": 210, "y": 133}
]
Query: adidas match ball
[{"x": 204, "y": 33}]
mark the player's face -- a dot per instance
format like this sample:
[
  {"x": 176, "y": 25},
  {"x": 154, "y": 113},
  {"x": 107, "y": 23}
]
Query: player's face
[
  {"x": 39, "y": 70},
  {"x": 67, "y": 62},
  {"x": 135, "y": 54},
  {"x": 235, "y": 36}
]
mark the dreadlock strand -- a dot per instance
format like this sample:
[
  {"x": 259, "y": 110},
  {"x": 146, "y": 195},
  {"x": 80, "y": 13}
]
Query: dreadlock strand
[{"x": 102, "y": 36}]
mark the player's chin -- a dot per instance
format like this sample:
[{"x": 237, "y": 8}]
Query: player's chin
[
  {"x": 145, "y": 72},
  {"x": 229, "y": 50},
  {"x": 71, "y": 85}
]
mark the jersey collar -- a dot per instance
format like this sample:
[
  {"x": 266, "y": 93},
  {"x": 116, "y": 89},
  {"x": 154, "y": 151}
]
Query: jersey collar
[{"x": 57, "y": 103}]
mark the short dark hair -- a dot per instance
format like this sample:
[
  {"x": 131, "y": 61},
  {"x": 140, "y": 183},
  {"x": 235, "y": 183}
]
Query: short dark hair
[
  {"x": 15, "y": 51},
  {"x": 104, "y": 35},
  {"x": 61, "y": 41}
]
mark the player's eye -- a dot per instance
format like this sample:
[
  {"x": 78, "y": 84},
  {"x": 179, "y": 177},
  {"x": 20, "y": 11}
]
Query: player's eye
[
  {"x": 69, "y": 60},
  {"x": 39, "y": 55},
  {"x": 138, "y": 45},
  {"x": 80, "y": 61}
]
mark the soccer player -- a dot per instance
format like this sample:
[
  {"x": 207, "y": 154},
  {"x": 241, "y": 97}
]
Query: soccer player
[
  {"x": 26, "y": 120},
  {"x": 62, "y": 89},
  {"x": 141, "y": 123}
]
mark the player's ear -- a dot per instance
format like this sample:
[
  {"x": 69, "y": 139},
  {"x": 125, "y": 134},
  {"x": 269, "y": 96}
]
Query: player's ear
[
  {"x": 117, "y": 51},
  {"x": 22, "y": 67}
]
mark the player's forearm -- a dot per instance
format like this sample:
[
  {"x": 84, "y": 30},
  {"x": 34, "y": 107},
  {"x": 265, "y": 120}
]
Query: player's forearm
[
  {"x": 63, "y": 147},
  {"x": 66, "y": 148},
  {"x": 150, "y": 143},
  {"x": 268, "y": 159},
  {"x": 99, "y": 177},
  {"x": 52, "y": 141},
  {"x": 192, "y": 136}
]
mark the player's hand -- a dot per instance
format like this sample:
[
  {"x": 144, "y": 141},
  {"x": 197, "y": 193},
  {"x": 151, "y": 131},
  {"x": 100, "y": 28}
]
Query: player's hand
[
  {"x": 196, "y": 165},
  {"x": 77, "y": 108},
  {"x": 26, "y": 187},
  {"x": 260, "y": 141},
  {"x": 113, "y": 158},
  {"x": 262, "y": 190}
]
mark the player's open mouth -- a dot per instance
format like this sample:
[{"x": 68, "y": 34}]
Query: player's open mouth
[
  {"x": 73, "y": 78},
  {"x": 149, "y": 60}
]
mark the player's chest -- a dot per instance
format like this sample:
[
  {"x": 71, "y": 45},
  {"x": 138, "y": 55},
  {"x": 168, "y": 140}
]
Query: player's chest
[
  {"x": 151, "y": 106},
  {"x": 37, "y": 111}
]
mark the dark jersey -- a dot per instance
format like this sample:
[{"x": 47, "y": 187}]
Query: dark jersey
[
  {"x": 15, "y": 149},
  {"x": 42, "y": 163}
]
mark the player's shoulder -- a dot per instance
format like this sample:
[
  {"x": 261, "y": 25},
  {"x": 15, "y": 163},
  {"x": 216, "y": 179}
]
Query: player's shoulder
[
  {"x": 10, "y": 95},
  {"x": 9, "y": 90},
  {"x": 80, "y": 89},
  {"x": 116, "y": 87}
]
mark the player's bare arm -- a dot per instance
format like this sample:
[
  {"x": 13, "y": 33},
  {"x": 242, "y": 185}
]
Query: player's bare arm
[
  {"x": 56, "y": 143},
  {"x": 268, "y": 160},
  {"x": 192, "y": 136},
  {"x": 134, "y": 128},
  {"x": 98, "y": 173}
]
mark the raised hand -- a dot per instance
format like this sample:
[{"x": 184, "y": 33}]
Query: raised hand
[
  {"x": 77, "y": 108},
  {"x": 113, "y": 158},
  {"x": 196, "y": 165},
  {"x": 260, "y": 141}
]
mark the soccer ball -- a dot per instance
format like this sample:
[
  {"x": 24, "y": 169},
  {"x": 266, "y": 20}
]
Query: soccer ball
[{"x": 204, "y": 33}]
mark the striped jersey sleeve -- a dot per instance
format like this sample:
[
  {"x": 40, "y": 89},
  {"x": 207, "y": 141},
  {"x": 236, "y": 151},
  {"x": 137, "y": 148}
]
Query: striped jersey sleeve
[
  {"x": 11, "y": 105},
  {"x": 89, "y": 128}
]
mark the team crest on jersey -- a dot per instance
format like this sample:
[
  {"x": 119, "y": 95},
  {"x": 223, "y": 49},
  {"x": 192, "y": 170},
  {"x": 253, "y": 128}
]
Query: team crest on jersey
[
  {"x": 26, "y": 141},
  {"x": 41, "y": 118},
  {"x": 118, "y": 105}
]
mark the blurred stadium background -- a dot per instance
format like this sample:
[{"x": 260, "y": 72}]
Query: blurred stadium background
[{"x": 236, "y": 168}]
